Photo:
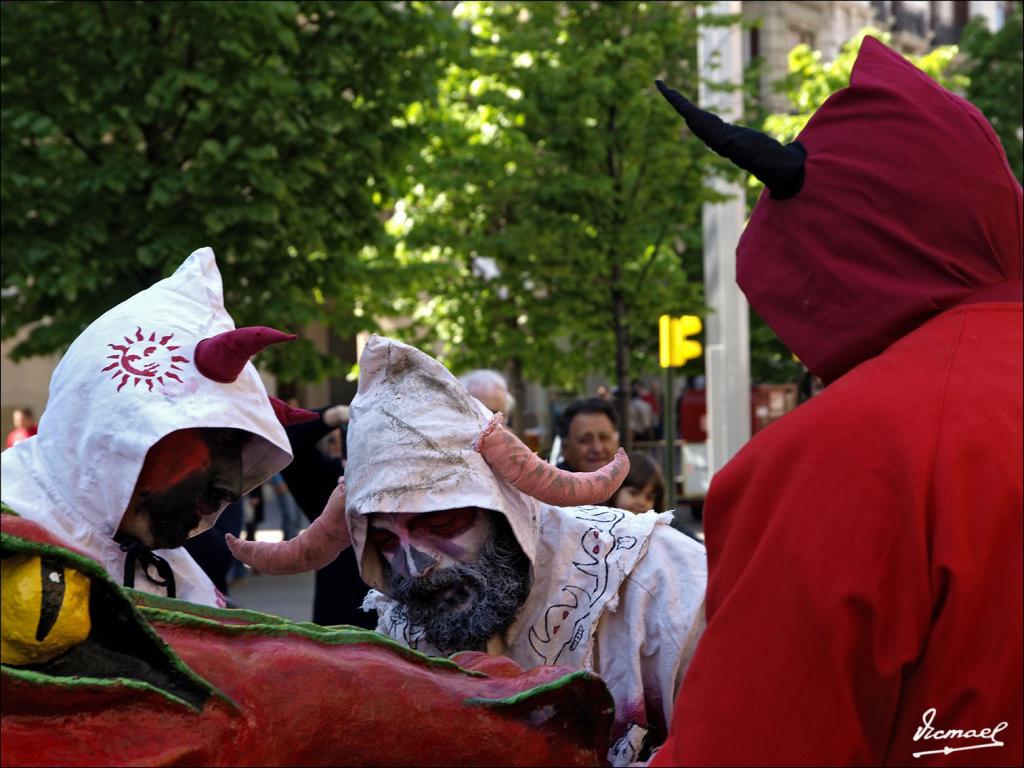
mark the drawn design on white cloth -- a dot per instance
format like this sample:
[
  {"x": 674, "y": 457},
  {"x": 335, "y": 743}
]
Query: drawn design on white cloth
[
  {"x": 397, "y": 625},
  {"x": 597, "y": 544}
]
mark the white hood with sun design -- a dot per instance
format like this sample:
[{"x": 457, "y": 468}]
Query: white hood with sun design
[{"x": 126, "y": 382}]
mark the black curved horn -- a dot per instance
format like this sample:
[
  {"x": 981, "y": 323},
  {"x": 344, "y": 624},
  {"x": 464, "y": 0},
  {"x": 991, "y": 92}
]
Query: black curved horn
[{"x": 781, "y": 168}]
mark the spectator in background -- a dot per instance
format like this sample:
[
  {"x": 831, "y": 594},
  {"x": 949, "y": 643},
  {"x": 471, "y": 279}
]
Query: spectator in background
[
  {"x": 254, "y": 512},
  {"x": 810, "y": 385},
  {"x": 212, "y": 554},
  {"x": 589, "y": 430},
  {"x": 644, "y": 487},
  {"x": 286, "y": 507},
  {"x": 642, "y": 418},
  {"x": 312, "y": 477},
  {"x": 332, "y": 445},
  {"x": 489, "y": 387},
  {"x": 24, "y": 426},
  {"x": 652, "y": 396}
]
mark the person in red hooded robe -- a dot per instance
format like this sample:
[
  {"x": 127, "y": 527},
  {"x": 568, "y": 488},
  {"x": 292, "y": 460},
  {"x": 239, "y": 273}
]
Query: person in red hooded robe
[{"x": 864, "y": 603}]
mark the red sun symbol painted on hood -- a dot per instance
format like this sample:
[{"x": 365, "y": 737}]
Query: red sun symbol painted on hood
[{"x": 144, "y": 359}]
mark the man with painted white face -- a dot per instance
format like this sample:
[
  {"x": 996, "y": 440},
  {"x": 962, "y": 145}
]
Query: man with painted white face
[
  {"x": 457, "y": 574},
  {"x": 472, "y": 542}
]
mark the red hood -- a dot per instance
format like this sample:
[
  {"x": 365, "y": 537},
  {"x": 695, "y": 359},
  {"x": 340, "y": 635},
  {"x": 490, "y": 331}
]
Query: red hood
[{"x": 909, "y": 207}]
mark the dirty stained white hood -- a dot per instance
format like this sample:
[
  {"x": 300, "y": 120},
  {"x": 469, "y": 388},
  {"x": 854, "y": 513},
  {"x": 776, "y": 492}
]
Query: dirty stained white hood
[{"x": 410, "y": 449}]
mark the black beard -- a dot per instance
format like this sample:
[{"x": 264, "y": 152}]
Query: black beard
[{"x": 485, "y": 595}]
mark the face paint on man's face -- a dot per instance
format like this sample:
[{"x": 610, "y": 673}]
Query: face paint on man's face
[
  {"x": 413, "y": 545},
  {"x": 461, "y": 603},
  {"x": 188, "y": 475}
]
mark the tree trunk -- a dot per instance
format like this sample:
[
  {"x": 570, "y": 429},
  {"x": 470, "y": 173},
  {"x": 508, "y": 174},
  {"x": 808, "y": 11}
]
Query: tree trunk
[
  {"x": 618, "y": 297},
  {"x": 517, "y": 387},
  {"x": 621, "y": 356}
]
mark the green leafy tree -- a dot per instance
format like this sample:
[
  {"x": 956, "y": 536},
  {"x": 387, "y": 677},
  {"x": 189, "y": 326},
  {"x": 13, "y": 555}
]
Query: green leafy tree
[
  {"x": 809, "y": 83},
  {"x": 995, "y": 65},
  {"x": 555, "y": 211},
  {"x": 263, "y": 129}
]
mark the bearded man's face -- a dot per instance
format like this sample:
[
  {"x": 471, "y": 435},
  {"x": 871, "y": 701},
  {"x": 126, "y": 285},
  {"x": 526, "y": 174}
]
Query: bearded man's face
[{"x": 459, "y": 574}]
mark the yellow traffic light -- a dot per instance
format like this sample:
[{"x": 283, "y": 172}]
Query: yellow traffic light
[
  {"x": 665, "y": 341},
  {"x": 674, "y": 348},
  {"x": 690, "y": 349}
]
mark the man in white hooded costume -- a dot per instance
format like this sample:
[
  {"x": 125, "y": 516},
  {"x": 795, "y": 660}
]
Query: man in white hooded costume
[
  {"x": 155, "y": 396},
  {"x": 461, "y": 559}
]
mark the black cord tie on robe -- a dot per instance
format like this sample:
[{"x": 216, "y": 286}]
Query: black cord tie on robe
[{"x": 135, "y": 551}]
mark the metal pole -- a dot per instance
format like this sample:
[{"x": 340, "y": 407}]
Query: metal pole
[
  {"x": 669, "y": 431},
  {"x": 727, "y": 341}
]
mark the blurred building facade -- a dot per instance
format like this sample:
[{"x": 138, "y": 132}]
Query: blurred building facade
[
  {"x": 23, "y": 384},
  {"x": 780, "y": 25},
  {"x": 916, "y": 26}
]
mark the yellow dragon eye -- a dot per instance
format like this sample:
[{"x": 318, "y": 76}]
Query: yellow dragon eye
[{"x": 44, "y": 609}]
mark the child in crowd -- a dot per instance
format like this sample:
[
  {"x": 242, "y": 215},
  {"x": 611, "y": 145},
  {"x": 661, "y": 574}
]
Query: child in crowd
[{"x": 644, "y": 487}]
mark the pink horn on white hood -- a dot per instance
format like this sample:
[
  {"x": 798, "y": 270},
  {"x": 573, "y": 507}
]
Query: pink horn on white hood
[
  {"x": 515, "y": 463},
  {"x": 311, "y": 550}
]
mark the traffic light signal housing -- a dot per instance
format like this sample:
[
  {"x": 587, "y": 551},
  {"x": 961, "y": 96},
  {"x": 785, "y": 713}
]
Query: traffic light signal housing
[{"x": 675, "y": 349}]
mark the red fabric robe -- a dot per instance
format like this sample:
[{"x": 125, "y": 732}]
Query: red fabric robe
[
  {"x": 865, "y": 552},
  {"x": 865, "y": 560}
]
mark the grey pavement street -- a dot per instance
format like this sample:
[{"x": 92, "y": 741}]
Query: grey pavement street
[{"x": 290, "y": 597}]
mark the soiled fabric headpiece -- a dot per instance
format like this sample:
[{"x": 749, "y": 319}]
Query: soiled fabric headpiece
[{"x": 410, "y": 440}]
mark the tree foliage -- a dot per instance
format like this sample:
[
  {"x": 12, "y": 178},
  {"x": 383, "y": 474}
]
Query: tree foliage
[
  {"x": 555, "y": 211},
  {"x": 503, "y": 175},
  {"x": 262, "y": 129},
  {"x": 995, "y": 66},
  {"x": 811, "y": 81}
]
